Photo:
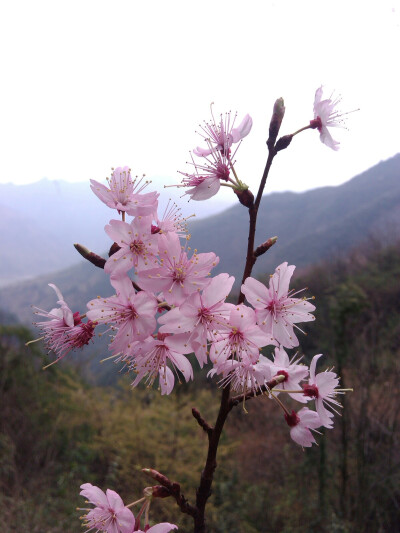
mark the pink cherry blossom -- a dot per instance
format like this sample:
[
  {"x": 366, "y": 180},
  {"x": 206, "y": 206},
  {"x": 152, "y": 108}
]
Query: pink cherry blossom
[
  {"x": 243, "y": 375},
  {"x": 205, "y": 181},
  {"x": 301, "y": 423},
  {"x": 326, "y": 116},
  {"x": 133, "y": 314},
  {"x": 292, "y": 371},
  {"x": 322, "y": 387},
  {"x": 109, "y": 514},
  {"x": 201, "y": 315},
  {"x": 150, "y": 359},
  {"x": 220, "y": 136},
  {"x": 64, "y": 331},
  {"x": 242, "y": 340},
  {"x": 177, "y": 276},
  {"x": 276, "y": 309},
  {"x": 122, "y": 196},
  {"x": 171, "y": 221},
  {"x": 138, "y": 245}
]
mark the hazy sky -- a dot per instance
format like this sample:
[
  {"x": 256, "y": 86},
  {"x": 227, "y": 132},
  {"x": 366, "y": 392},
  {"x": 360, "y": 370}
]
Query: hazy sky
[{"x": 87, "y": 85}]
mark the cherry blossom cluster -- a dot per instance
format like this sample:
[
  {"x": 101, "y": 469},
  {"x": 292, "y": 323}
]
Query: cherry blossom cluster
[{"x": 166, "y": 304}]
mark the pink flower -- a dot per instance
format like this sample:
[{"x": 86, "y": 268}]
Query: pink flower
[
  {"x": 122, "y": 196},
  {"x": 326, "y": 116},
  {"x": 149, "y": 359},
  {"x": 322, "y": 388},
  {"x": 109, "y": 514},
  {"x": 201, "y": 315},
  {"x": 242, "y": 340},
  {"x": 243, "y": 375},
  {"x": 293, "y": 373},
  {"x": 300, "y": 425},
  {"x": 178, "y": 276},
  {"x": 164, "y": 527},
  {"x": 276, "y": 309},
  {"x": 65, "y": 330},
  {"x": 220, "y": 136},
  {"x": 172, "y": 221},
  {"x": 205, "y": 182},
  {"x": 138, "y": 245},
  {"x": 132, "y": 313}
]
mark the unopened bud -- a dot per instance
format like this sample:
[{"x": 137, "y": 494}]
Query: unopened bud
[
  {"x": 245, "y": 196},
  {"x": 276, "y": 121},
  {"x": 158, "y": 491},
  {"x": 90, "y": 256},
  {"x": 283, "y": 142},
  {"x": 265, "y": 246}
]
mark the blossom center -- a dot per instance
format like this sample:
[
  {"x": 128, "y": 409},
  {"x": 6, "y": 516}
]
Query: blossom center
[
  {"x": 316, "y": 123},
  {"x": 179, "y": 273},
  {"x": 311, "y": 391},
  {"x": 283, "y": 373},
  {"x": 222, "y": 171},
  {"x": 292, "y": 419},
  {"x": 137, "y": 247}
]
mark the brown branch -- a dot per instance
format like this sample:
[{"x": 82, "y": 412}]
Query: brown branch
[
  {"x": 227, "y": 403},
  {"x": 99, "y": 261},
  {"x": 202, "y": 423},
  {"x": 174, "y": 489}
]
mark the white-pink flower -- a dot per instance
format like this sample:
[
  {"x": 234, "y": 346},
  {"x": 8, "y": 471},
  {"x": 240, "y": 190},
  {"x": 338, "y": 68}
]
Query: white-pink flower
[
  {"x": 109, "y": 514},
  {"x": 178, "y": 275},
  {"x": 121, "y": 193},
  {"x": 242, "y": 340},
  {"x": 300, "y": 425},
  {"x": 206, "y": 179},
  {"x": 151, "y": 359},
  {"x": 201, "y": 315},
  {"x": 293, "y": 373},
  {"x": 326, "y": 115},
  {"x": 322, "y": 387},
  {"x": 243, "y": 375},
  {"x": 220, "y": 136},
  {"x": 276, "y": 309},
  {"x": 64, "y": 331},
  {"x": 138, "y": 245},
  {"x": 131, "y": 313}
]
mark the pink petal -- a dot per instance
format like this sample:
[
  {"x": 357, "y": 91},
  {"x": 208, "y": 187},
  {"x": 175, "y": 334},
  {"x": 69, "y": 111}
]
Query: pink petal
[{"x": 256, "y": 293}]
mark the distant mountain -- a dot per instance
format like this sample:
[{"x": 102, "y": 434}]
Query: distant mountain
[
  {"x": 310, "y": 226},
  {"x": 40, "y": 222}
]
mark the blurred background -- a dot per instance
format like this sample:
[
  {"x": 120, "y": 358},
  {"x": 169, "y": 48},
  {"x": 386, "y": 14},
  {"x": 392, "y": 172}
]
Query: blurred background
[{"x": 94, "y": 85}]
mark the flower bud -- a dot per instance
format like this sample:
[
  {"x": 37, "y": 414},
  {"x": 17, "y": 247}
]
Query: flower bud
[
  {"x": 276, "y": 121},
  {"x": 283, "y": 142},
  {"x": 158, "y": 491}
]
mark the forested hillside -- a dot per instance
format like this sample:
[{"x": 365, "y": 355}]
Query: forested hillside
[{"x": 58, "y": 432}]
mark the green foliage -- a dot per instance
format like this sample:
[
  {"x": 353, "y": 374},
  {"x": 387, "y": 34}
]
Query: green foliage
[{"x": 58, "y": 432}]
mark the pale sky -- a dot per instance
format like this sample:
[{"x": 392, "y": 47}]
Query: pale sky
[{"x": 87, "y": 85}]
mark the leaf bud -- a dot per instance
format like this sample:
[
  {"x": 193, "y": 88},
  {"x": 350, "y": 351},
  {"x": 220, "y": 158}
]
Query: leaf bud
[{"x": 265, "y": 246}]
